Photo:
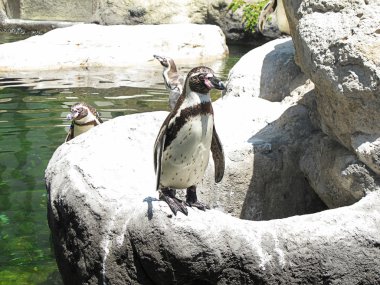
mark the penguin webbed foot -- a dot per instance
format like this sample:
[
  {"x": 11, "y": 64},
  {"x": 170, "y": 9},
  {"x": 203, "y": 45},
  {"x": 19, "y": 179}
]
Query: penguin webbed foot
[
  {"x": 199, "y": 205},
  {"x": 192, "y": 200},
  {"x": 175, "y": 204}
]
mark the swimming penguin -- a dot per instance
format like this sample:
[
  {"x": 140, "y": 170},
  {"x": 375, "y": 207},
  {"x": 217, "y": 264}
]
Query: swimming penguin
[{"x": 83, "y": 117}]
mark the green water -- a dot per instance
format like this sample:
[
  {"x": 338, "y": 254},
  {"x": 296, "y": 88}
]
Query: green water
[{"x": 32, "y": 126}]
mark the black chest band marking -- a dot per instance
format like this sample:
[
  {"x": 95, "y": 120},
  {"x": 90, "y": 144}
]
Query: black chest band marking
[{"x": 203, "y": 108}]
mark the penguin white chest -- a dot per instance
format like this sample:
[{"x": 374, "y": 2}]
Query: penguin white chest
[
  {"x": 78, "y": 130},
  {"x": 185, "y": 159}
]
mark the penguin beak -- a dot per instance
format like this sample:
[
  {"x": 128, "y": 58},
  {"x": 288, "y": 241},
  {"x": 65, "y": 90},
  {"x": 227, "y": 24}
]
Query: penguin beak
[
  {"x": 217, "y": 84},
  {"x": 72, "y": 115},
  {"x": 162, "y": 60},
  {"x": 159, "y": 58}
]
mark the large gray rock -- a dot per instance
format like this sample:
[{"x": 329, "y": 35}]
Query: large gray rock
[
  {"x": 268, "y": 72},
  {"x": 338, "y": 247},
  {"x": 89, "y": 46},
  {"x": 333, "y": 172},
  {"x": 108, "y": 228},
  {"x": 337, "y": 45}
]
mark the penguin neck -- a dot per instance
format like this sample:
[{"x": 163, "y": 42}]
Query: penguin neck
[
  {"x": 172, "y": 68},
  {"x": 193, "y": 98},
  {"x": 170, "y": 74}
]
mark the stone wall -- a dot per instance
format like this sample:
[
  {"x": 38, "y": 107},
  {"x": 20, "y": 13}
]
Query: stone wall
[
  {"x": 116, "y": 12},
  {"x": 64, "y": 10}
]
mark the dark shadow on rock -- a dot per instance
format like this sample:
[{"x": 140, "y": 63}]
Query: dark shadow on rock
[
  {"x": 149, "y": 201},
  {"x": 278, "y": 188}
]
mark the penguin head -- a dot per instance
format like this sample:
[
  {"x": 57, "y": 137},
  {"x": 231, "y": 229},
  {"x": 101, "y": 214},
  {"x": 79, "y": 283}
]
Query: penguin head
[
  {"x": 202, "y": 79},
  {"x": 78, "y": 111},
  {"x": 166, "y": 62}
]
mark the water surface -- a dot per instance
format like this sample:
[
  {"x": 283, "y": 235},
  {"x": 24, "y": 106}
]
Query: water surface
[{"x": 33, "y": 125}]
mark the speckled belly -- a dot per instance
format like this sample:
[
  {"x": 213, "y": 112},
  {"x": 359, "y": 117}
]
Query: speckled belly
[{"x": 185, "y": 160}]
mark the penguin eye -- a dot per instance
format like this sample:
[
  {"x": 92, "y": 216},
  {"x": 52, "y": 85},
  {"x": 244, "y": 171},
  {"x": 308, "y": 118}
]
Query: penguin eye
[{"x": 201, "y": 76}]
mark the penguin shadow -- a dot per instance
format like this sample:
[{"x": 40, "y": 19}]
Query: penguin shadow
[{"x": 149, "y": 201}]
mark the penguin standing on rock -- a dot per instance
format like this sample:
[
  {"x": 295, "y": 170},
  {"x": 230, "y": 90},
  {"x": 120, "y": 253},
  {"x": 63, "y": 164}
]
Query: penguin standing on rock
[
  {"x": 172, "y": 78},
  {"x": 83, "y": 117},
  {"x": 183, "y": 144}
]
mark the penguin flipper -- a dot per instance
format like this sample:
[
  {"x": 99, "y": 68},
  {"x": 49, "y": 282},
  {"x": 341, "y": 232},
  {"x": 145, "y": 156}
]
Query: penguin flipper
[
  {"x": 218, "y": 156},
  {"x": 158, "y": 150},
  {"x": 70, "y": 134}
]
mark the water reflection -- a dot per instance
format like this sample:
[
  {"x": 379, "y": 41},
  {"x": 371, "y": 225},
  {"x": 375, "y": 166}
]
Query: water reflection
[
  {"x": 33, "y": 108},
  {"x": 26, "y": 144},
  {"x": 145, "y": 76}
]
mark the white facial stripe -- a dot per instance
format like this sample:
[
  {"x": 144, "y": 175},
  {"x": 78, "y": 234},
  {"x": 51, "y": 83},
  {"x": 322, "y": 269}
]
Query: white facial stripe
[
  {"x": 209, "y": 75},
  {"x": 196, "y": 74}
]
